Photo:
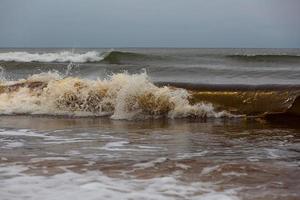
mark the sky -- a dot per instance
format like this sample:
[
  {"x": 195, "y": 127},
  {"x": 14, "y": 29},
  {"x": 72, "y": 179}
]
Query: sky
[{"x": 150, "y": 23}]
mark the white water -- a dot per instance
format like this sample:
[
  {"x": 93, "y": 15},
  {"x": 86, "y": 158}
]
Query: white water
[
  {"x": 121, "y": 96},
  {"x": 94, "y": 185},
  {"x": 63, "y": 56}
]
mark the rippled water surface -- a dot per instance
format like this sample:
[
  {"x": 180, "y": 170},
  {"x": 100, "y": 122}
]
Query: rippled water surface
[{"x": 100, "y": 158}]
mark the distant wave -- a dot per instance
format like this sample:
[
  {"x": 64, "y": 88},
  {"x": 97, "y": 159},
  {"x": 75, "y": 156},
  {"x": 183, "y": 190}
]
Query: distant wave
[
  {"x": 117, "y": 57},
  {"x": 111, "y": 57},
  {"x": 264, "y": 57},
  {"x": 121, "y": 57},
  {"x": 64, "y": 56}
]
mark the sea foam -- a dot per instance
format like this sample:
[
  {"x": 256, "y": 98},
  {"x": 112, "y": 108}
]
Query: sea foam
[
  {"x": 63, "y": 56},
  {"x": 121, "y": 96},
  {"x": 95, "y": 185}
]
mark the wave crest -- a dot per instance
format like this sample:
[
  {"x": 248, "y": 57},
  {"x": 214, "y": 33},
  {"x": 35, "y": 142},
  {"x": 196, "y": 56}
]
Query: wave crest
[
  {"x": 121, "y": 96},
  {"x": 64, "y": 56}
]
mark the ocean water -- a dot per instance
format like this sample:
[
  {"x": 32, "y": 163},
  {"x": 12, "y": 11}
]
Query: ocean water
[{"x": 150, "y": 124}]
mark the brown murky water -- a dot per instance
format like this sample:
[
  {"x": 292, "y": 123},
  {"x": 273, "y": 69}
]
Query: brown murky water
[{"x": 100, "y": 158}]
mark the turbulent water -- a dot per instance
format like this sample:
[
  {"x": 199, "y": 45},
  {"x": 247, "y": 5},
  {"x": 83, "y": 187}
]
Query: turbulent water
[{"x": 150, "y": 123}]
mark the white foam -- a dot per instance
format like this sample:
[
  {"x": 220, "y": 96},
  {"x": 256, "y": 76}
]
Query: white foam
[
  {"x": 121, "y": 96},
  {"x": 48, "y": 158},
  {"x": 12, "y": 145},
  {"x": 11, "y": 170},
  {"x": 64, "y": 56},
  {"x": 190, "y": 155},
  {"x": 273, "y": 153},
  {"x": 115, "y": 146},
  {"x": 95, "y": 185},
  {"x": 208, "y": 170},
  {"x": 182, "y": 166},
  {"x": 26, "y": 133},
  {"x": 234, "y": 174},
  {"x": 123, "y": 146},
  {"x": 151, "y": 163}
]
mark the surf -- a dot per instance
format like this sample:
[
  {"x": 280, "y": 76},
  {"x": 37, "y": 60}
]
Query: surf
[
  {"x": 135, "y": 96},
  {"x": 109, "y": 56},
  {"x": 62, "y": 56},
  {"x": 121, "y": 96}
]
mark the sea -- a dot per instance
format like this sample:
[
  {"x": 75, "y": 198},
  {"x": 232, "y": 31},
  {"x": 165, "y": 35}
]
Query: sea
[{"x": 147, "y": 123}]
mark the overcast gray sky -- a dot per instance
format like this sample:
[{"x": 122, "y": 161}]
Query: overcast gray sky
[{"x": 150, "y": 23}]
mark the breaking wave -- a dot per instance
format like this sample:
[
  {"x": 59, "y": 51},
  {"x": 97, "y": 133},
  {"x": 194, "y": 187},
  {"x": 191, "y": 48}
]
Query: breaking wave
[
  {"x": 121, "y": 96},
  {"x": 111, "y": 57},
  {"x": 64, "y": 56},
  {"x": 125, "y": 96}
]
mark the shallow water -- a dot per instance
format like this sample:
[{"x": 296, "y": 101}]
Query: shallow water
[
  {"x": 72, "y": 158},
  {"x": 212, "y": 124}
]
